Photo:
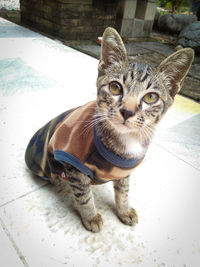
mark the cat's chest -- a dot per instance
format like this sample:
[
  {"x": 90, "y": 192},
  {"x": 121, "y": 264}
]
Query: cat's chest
[{"x": 133, "y": 147}]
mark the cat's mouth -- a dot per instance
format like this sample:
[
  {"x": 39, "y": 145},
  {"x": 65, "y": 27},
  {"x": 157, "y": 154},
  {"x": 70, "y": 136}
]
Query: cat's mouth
[
  {"x": 120, "y": 124},
  {"x": 131, "y": 125},
  {"x": 123, "y": 126}
]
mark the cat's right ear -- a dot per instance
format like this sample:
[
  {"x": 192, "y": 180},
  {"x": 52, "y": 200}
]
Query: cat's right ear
[{"x": 113, "y": 52}]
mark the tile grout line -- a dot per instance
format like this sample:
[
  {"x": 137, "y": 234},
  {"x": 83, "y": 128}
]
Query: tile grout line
[
  {"x": 20, "y": 255},
  {"x": 176, "y": 156},
  {"x": 8, "y": 202}
]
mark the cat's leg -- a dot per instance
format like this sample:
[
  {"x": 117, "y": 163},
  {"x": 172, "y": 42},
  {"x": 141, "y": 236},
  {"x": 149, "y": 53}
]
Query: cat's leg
[
  {"x": 126, "y": 214},
  {"x": 84, "y": 203}
]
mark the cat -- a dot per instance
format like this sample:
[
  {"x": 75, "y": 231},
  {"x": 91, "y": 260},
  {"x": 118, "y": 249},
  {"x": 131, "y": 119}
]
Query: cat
[{"x": 104, "y": 140}]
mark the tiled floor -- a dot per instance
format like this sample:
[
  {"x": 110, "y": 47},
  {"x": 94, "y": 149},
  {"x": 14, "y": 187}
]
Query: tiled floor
[{"x": 40, "y": 78}]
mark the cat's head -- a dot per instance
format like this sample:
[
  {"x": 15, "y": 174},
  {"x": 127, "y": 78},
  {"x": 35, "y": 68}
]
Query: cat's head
[{"x": 132, "y": 98}]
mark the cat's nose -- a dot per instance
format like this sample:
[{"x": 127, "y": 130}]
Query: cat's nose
[{"x": 126, "y": 113}]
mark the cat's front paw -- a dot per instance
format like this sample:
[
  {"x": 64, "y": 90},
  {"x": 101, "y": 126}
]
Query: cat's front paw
[
  {"x": 129, "y": 218},
  {"x": 94, "y": 224}
]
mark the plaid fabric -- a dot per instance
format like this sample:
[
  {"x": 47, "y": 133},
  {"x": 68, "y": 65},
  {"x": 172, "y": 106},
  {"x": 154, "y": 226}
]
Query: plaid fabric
[{"x": 67, "y": 139}]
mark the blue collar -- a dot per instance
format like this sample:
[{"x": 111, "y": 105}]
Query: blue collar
[{"x": 111, "y": 156}]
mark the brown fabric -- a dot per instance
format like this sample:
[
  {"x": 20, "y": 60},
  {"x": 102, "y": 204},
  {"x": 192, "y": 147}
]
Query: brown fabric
[{"x": 71, "y": 133}]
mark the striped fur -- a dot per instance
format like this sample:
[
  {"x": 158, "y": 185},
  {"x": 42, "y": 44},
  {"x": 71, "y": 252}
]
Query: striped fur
[{"x": 125, "y": 123}]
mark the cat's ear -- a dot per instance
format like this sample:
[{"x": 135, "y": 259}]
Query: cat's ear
[
  {"x": 113, "y": 52},
  {"x": 174, "y": 69}
]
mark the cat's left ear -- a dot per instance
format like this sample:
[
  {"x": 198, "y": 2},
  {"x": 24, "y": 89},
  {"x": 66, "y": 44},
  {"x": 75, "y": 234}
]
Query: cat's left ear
[
  {"x": 174, "y": 69},
  {"x": 113, "y": 52}
]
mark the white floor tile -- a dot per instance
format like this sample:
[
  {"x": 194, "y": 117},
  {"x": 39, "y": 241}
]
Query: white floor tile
[
  {"x": 183, "y": 140},
  {"x": 9, "y": 256},
  {"x": 48, "y": 86},
  {"x": 14, "y": 137},
  {"x": 164, "y": 191}
]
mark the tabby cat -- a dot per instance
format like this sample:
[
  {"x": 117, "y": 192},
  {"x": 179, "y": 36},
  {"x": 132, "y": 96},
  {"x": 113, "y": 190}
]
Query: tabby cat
[{"x": 104, "y": 140}]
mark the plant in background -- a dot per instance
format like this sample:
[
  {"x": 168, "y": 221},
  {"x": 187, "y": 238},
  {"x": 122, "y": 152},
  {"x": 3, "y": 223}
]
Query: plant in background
[{"x": 173, "y": 5}]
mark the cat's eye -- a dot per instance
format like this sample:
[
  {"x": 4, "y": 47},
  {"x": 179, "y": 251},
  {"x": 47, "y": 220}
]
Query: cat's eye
[
  {"x": 150, "y": 98},
  {"x": 115, "y": 88}
]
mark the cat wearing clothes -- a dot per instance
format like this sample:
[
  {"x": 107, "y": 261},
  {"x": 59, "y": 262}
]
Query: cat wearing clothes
[{"x": 104, "y": 140}]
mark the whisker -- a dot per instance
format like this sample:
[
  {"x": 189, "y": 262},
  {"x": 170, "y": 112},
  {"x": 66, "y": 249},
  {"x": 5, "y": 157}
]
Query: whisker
[
  {"x": 91, "y": 123},
  {"x": 147, "y": 131}
]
